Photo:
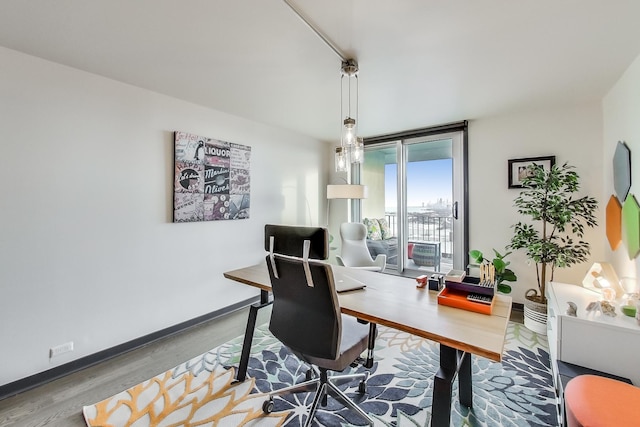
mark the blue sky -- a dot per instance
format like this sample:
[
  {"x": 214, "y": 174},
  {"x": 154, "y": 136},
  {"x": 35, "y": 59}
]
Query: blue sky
[{"x": 427, "y": 181}]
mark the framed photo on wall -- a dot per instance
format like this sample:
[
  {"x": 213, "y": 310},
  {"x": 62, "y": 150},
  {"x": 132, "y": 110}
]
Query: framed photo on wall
[{"x": 518, "y": 169}]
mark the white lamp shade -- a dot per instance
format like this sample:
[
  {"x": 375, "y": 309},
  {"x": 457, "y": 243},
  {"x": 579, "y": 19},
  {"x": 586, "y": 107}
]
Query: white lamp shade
[
  {"x": 600, "y": 276},
  {"x": 347, "y": 191}
]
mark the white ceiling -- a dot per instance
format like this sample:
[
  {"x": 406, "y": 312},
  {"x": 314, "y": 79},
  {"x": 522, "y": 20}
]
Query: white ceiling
[{"x": 422, "y": 62}]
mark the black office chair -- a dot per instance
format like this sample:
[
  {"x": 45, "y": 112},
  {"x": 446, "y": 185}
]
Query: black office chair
[{"x": 306, "y": 316}]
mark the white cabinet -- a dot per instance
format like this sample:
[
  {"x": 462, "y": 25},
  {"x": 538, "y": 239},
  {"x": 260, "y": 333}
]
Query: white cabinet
[{"x": 593, "y": 340}]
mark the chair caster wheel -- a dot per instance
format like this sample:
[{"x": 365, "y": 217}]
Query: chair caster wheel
[
  {"x": 362, "y": 388},
  {"x": 267, "y": 406}
]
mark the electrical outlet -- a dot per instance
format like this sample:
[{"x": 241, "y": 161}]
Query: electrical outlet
[{"x": 59, "y": 349}]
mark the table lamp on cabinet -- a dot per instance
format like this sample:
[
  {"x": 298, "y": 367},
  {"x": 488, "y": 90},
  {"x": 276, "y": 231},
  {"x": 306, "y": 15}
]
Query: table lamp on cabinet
[{"x": 602, "y": 278}]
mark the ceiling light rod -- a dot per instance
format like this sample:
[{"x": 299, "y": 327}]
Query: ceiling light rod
[{"x": 324, "y": 38}]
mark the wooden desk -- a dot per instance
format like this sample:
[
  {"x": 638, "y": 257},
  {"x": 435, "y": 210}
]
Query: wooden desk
[{"x": 395, "y": 302}]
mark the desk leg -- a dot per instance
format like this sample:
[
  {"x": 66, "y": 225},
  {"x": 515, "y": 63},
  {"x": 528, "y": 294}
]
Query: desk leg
[
  {"x": 248, "y": 334},
  {"x": 465, "y": 391},
  {"x": 373, "y": 333},
  {"x": 452, "y": 363}
]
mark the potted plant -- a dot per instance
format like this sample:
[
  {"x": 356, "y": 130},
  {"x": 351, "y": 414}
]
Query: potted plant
[
  {"x": 503, "y": 274},
  {"x": 557, "y": 218}
]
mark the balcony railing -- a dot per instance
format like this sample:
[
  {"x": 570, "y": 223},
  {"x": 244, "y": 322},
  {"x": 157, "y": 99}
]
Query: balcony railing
[{"x": 427, "y": 227}]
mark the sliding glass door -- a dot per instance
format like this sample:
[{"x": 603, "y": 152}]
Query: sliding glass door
[{"x": 416, "y": 186}]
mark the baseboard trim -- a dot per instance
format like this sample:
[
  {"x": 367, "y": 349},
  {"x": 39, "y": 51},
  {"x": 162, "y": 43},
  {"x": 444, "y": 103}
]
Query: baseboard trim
[{"x": 41, "y": 378}]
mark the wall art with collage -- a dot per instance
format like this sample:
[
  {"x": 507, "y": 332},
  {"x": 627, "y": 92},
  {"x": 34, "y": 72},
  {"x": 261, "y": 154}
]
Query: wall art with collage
[{"x": 212, "y": 179}]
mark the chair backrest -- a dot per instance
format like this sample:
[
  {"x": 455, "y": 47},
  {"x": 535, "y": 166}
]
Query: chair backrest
[
  {"x": 306, "y": 314},
  {"x": 290, "y": 240},
  {"x": 354, "y": 244}
]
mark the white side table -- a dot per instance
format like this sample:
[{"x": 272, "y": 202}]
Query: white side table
[
  {"x": 593, "y": 340},
  {"x": 590, "y": 343}
]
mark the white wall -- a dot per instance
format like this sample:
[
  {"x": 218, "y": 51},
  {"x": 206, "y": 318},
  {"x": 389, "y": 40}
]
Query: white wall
[
  {"x": 573, "y": 135},
  {"x": 621, "y": 112},
  {"x": 89, "y": 253},
  {"x": 88, "y": 249}
]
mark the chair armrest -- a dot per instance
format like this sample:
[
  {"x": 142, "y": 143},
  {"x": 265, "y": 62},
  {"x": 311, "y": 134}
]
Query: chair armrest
[
  {"x": 381, "y": 261},
  {"x": 378, "y": 264}
]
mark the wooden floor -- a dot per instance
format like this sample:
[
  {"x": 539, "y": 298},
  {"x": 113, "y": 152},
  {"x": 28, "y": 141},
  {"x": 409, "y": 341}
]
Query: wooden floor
[{"x": 60, "y": 402}]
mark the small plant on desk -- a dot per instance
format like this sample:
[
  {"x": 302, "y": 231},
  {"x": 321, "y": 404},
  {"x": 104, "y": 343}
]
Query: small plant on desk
[{"x": 503, "y": 274}]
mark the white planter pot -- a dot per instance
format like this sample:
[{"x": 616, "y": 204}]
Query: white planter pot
[
  {"x": 535, "y": 316},
  {"x": 534, "y": 321}
]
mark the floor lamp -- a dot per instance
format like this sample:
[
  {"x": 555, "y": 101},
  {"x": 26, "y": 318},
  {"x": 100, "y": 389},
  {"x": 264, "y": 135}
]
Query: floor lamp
[
  {"x": 347, "y": 191},
  {"x": 344, "y": 191}
]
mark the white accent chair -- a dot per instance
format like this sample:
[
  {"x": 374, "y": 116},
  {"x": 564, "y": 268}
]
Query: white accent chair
[{"x": 355, "y": 253}]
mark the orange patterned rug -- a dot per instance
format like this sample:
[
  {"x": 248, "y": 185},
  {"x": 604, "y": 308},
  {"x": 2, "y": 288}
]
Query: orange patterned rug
[{"x": 185, "y": 397}]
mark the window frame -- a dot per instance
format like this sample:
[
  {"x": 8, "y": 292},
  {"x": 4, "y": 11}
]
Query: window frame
[{"x": 460, "y": 182}]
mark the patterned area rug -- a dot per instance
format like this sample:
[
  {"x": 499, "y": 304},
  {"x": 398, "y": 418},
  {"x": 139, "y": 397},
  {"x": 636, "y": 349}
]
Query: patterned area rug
[{"x": 517, "y": 392}]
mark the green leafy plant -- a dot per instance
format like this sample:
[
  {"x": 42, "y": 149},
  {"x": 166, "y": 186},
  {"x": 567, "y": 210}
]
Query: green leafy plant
[
  {"x": 503, "y": 274},
  {"x": 548, "y": 199}
]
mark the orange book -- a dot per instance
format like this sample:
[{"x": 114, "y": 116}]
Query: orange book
[{"x": 458, "y": 299}]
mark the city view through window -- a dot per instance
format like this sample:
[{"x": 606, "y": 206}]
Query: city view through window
[
  {"x": 429, "y": 203},
  {"x": 431, "y": 233}
]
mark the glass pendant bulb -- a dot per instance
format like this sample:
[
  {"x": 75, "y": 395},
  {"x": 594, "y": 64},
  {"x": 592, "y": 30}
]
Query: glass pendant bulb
[
  {"x": 348, "y": 132},
  {"x": 357, "y": 151},
  {"x": 342, "y": 163}
]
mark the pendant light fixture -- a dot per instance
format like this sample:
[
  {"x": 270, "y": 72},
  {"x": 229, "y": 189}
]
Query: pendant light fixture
[
  {"x": 349, "y": 70},
  {"x": 351, "y": 148}
]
